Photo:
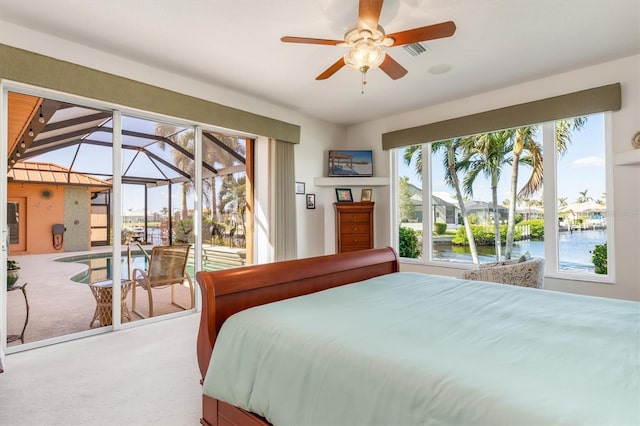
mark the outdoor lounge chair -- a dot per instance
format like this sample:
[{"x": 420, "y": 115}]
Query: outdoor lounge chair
[{"x": 167, "y": 267}]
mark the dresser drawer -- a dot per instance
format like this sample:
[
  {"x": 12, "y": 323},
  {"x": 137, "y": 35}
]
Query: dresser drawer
[
  {"x": 352, "y": 217},
  {"x": 361, "y": 241},
  {"x": 354, "y": 228}
]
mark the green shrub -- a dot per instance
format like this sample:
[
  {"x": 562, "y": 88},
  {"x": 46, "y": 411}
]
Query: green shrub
[
  {"x": 483, "y": 235},
  {"x": 440, "y": 228},
  {"x": 536, "y": 228},
  {"x": 599, "y": 258},
  {"x": 408, "y": 243}
]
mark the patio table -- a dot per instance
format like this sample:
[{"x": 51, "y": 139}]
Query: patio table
[{"x": 103, "y": 293}]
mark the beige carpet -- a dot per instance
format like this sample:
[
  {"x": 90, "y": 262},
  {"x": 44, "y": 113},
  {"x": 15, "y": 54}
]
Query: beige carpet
[{"x": 145, "y": 375}]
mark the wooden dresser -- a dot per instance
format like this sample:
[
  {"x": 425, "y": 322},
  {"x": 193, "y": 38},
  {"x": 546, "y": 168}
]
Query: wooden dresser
[{"x": 354, "y": 226}]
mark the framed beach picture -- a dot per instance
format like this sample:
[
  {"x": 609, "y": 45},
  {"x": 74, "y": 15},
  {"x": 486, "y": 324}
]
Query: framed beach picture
[
  {"x": 299, "y": 187},
  {"x": 350, "y": 163},
  {"x": 344, "y": 195},
  {"x": 365, "y": 195}
]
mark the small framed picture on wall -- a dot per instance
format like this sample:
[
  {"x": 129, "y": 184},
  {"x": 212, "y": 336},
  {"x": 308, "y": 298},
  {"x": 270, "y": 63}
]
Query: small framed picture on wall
[
  {"x": 299, "y": 187},
  {"x": 311, "y": 201}
]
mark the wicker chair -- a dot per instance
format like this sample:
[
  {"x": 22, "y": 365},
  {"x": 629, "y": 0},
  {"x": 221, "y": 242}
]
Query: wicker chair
[
  {"x": 525, "y": 273},
  {"x": 167, "y": 267}
]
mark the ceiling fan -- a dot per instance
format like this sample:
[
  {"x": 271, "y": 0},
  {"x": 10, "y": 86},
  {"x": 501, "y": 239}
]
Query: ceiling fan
[{"x": 367, "y": 38}]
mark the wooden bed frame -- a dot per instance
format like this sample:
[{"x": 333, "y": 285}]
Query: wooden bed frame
[{"x": 229, "y": 291}]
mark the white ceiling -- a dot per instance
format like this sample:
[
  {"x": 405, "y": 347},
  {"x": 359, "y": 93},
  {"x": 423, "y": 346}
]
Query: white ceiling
[{"x": 236, "y": 44}]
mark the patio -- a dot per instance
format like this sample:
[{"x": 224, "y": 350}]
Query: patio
[{"x": 60, "y": 306}]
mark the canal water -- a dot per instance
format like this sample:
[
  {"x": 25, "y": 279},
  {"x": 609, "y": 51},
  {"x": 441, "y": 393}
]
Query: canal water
[{"x": 573, "y": 248}]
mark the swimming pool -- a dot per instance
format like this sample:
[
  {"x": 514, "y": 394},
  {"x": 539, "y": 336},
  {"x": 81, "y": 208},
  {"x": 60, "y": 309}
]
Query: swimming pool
[{"x": 100, "y": 266}]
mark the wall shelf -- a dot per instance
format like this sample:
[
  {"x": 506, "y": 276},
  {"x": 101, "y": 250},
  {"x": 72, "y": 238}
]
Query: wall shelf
[
  {"x": 627, "y": 158},
  {"x": 351, "y": 181}
]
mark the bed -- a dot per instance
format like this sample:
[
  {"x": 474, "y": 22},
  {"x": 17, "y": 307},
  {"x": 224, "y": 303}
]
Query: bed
[{"x": 368, "y": 344}]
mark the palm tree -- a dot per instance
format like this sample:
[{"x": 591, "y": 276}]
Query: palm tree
[
  {"x": 562, "y": 201},
  {"x": 219, "y": 158},
  {"x": 486, "y": 154},
  {"x": 583, "y": 198},
  {"x": 233, "y": 198},
  {"x": 525, "y": 141},
  {"x": 449, "y": 147},
  {"x": 186, "y": 140},
  {"x": 210, "y": 154}
]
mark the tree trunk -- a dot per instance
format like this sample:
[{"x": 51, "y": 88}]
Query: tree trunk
[
  {"x": 511, "y": 224},
  {"x": 496, "y": 219},
  {"x": 214, "y": 201},
  {"x": 185, "y": 210},
  {"x": 463, "y": 210}
]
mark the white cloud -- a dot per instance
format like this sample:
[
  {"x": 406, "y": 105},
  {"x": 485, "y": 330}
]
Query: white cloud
[{"x": 592, "y": 161}]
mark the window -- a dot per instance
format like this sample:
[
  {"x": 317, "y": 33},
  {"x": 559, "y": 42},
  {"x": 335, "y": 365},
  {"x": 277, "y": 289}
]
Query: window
[
  {"x": 518, "y": 184},
  {"x": 96, "y": 171}
]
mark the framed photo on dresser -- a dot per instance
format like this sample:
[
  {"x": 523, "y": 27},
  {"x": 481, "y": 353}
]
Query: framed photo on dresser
[{"x": 344, "y": 195}]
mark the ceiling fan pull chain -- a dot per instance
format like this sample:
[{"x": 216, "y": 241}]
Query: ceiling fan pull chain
[{"x": 364, "y": 79}]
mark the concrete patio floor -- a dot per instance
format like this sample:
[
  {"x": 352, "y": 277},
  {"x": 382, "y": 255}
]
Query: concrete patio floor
[{"x": 59, "y": 306}]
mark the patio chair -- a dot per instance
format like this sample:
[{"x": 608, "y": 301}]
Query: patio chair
[{"x": 167, "y": 268}]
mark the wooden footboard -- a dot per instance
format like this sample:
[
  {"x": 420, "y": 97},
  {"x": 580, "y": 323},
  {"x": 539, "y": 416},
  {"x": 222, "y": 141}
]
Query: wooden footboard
[{"x": 229, "y": 291}]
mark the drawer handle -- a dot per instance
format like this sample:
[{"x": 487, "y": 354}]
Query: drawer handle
[
  {"x": 355, "y": 240},
  {"x": 355, "y": 228}
]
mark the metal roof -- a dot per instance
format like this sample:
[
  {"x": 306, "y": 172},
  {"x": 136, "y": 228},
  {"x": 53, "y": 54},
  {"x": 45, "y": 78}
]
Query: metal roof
[{"x": 34, "y": 172}]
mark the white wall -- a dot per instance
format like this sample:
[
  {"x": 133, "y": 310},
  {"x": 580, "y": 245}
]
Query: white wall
[
  {"x": 626, "y": 208},
  {"x": 310, "y": 164}
]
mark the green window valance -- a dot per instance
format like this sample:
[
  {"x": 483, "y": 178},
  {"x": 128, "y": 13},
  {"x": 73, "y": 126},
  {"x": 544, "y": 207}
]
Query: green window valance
[
  {"x": 599, "y": 99},
  {"x": 50, "y": 73}
]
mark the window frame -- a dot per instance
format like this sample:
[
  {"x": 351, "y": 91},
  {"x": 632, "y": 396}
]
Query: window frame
[{"x": 551, "y": 245}]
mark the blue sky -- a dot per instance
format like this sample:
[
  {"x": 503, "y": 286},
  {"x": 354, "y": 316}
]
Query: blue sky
[{"x": 581, "y": 168}]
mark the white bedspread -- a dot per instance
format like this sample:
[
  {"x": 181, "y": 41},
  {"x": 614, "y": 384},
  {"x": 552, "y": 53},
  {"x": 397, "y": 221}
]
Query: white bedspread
[{"x": 414, "y": 349}]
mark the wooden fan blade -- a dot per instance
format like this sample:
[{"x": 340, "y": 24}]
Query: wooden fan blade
[
  {"x": 290, "y": 39},
  {"x": 430, "y": 32},
  {"x": 331, "y": 70},
  {"x": 392, "y": 68},
  {"x": 369, "y": 14}
]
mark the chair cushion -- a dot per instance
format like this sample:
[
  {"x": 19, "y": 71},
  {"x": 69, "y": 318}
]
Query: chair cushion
[{"x": 529, "y": 273}]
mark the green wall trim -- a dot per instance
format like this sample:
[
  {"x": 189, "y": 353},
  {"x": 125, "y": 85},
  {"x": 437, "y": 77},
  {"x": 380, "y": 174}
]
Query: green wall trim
[
  {"x": 43, "y": 71},
  {"x": 590, "y": 101}
]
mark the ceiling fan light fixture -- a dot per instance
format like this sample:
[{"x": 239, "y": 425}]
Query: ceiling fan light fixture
[{"x": 364, "y": 56}]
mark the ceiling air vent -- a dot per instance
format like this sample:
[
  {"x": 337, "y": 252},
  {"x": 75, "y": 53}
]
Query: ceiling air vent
[{"x": 414, "y": 49}]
